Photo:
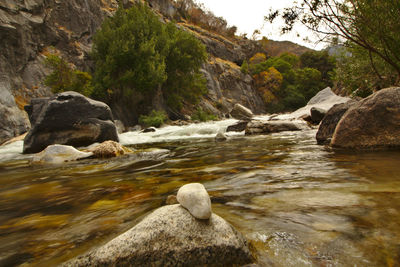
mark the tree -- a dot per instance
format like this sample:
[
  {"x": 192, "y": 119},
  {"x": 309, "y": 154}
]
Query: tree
[
  {"x": 370, "y": 24},
  {"x": 321, "y": 61},
  {"x": 136, "y": 55}
]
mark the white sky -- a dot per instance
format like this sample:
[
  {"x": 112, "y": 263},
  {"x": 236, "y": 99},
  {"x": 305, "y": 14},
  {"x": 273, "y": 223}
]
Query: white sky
[{"x": 248, "y": 15}]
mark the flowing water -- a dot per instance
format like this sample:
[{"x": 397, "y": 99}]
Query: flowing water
[{"x": 298, "y": 204}]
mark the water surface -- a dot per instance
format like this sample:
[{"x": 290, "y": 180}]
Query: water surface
[{"x": 299, "y": 204}]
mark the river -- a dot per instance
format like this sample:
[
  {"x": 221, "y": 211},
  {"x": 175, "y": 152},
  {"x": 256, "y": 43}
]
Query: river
[{"x": 298, "y": 204}]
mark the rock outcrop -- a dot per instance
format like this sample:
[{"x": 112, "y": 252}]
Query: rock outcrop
[
  {"x": 267, "y": 127},
  {"x": 171, "y": 236},
  {"x": 372, "y": 123},
  {"x": 68, "y": 118},
  {"x": 330, "y": 121}
]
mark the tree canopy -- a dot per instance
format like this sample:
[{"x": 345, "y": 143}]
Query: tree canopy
[
  {"x": 136, "y": 53},
  {"x": 370, "y": 24}
]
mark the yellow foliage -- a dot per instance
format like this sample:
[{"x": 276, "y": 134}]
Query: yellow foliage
[
  {"x": 268, "y": 96},
  {"x": 258, "y": 58}
]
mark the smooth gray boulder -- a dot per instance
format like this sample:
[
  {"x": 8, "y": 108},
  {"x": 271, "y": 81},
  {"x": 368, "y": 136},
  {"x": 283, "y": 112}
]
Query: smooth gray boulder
[
  {"x": 194, "y": 197},
  {"x": 171, "y": 236},
  {"x": 240, "y": 112},
  {"x": 68, "y": 118},
  {"x": 56, "y": 154}
]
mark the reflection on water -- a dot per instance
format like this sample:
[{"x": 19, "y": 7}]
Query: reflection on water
[{"x": 298, "y": 204}]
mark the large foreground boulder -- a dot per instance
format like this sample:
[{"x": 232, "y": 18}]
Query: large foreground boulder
[
  {"x": 330, "y": 121},
  {"x": 68, "y": 118},
  {"x": 373, "y": 123},
  {"x": 171, "y": 236}
]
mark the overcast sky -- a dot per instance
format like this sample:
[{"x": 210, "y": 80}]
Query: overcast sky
[{"x": 248, "y": 15}]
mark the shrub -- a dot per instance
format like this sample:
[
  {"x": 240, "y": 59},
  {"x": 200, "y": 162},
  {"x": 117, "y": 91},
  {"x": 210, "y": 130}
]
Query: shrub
[
  {"x": 155, "y": 119},
  {"x": 64, "y": 78},
  {"x": 201, "y": 115}
]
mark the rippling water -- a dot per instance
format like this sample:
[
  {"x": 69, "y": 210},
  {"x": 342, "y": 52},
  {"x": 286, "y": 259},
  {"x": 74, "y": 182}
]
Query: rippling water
[{"x": 297, "y": 203}]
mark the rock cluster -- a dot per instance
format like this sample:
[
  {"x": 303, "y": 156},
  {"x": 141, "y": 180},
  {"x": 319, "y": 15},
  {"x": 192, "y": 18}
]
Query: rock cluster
[{"x": 68, "y": 118}]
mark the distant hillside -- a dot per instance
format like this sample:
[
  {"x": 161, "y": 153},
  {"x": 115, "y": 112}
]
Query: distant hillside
[{"x": 276, "y": 48}]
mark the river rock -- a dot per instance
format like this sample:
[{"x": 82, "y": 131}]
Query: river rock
[
  {"x": 330, "y": 121},
  {"x": 57, "y": 154},
  {"x": 149, "y": 130},
  {"x": 195, "y": 199},
  {"x": 317, "y": 114},
  {"x": 373, "y": 123},
  {"x": 241, "y": 113},
  {"x": 220, "y": 137},
  {"x": 267, "y": 127},
  {"x": 68, "y": 118},
  {"x": 108, "y": 149},
  {"x": 171, "y": 236},
  {"x": 238, "y": 127}
]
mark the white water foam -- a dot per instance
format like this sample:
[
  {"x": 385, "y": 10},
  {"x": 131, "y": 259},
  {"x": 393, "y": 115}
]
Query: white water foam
[{"x": 178, "y": 133}]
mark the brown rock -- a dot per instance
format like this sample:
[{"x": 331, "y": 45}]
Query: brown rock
[
  {"x": 373, "y": 123},
  {"x": 109, "y": 149},
  {"x": 330, "y": 121},
  {"x": 262, "y": 127}
]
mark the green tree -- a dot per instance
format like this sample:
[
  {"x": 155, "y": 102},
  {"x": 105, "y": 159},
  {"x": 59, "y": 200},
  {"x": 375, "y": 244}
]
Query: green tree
[
  {"x": 321, "y": 61},
  {"x": 136, "y": 54}
]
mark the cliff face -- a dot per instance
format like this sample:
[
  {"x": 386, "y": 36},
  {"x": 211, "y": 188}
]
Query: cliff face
[{"x": 31, "y": 29}]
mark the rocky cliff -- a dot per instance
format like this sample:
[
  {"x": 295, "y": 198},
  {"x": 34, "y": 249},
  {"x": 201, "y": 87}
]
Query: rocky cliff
[{"x": 30, "y": 29}]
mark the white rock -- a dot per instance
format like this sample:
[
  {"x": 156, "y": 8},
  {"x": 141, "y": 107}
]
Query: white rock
[
  {"x": 195, "y": 199},
  {"x": 58, "y": 154}
]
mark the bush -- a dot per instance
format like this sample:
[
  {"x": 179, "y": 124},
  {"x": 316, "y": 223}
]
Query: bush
[
  {"x": 64, "y": 78},
  {"x": 155, "y": 119},
  {"x": 200, "y": 115}
]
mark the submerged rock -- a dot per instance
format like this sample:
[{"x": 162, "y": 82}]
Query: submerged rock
[
  {"x": 68, "y": 118},
  {"x": 220, "y": 137},
  {"x": 59, "y": 153},
  {"x": 330, "y": 121},
  {"x": 372, "y": 123},
  {"x": 108, "y": 149},
  {"x": 171, "y": 236},
  {"x": 149, "y": 130},
  {"x": 194, "y": 197},
  {"x": 241, "y": 113}
]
